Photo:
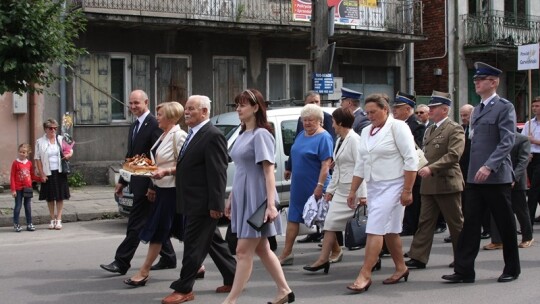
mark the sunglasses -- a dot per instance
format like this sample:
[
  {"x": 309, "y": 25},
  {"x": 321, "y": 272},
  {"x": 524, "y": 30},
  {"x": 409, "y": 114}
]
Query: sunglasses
[
  {"x": 419, "y": 112},
  {"x": 52, "y": 128}
]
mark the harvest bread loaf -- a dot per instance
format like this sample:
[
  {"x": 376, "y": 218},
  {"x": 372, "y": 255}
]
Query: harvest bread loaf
[{"x": 139, "y": 164}]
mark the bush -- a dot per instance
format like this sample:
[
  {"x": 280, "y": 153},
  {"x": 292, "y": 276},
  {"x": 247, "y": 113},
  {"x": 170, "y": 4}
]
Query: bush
[{"x": 76, "y": 179}]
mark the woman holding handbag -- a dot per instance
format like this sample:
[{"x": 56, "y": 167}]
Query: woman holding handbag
[
  {"x": 48, "y": 157},
  {"x": 254, "y": 188},
  {"x": 388, "y": 165},
  {"x": 346, "y": 154}
]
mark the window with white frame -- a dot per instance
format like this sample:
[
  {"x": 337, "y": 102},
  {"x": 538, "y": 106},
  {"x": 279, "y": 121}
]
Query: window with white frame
[
  {"x": 287, "y": 79},
  {"x": 101, "y": 86}
]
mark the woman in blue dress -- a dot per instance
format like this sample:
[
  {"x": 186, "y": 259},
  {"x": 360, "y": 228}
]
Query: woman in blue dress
[
  {"x": 254, "y": 184},
  {"x": 311, "y": 155}
]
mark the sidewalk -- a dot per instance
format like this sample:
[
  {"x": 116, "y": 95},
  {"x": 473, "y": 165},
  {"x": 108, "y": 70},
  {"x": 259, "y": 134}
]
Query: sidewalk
[{"x": 86, "y": 203}]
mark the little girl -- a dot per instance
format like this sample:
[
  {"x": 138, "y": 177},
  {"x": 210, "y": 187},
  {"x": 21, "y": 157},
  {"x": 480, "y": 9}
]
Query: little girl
[{"x": 22, "y": 175}]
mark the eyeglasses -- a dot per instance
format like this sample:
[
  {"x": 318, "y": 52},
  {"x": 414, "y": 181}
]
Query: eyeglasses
[
  {"x": 419, "y": 112},
  {"x": 52, "y": 128}
]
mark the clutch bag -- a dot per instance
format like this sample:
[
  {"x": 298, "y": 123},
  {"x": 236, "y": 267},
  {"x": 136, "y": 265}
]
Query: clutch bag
[{"x": 256, "y": 220}]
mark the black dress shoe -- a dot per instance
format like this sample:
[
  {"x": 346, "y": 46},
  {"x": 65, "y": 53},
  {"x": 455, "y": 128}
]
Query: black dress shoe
[
  {"x": 485, "y": 235},
  {"x": 325, "y": 266},
  {"x": 505, "y": 278},
  {"x": 440, "y": 230},
  {"x": 162, "y": 265},
  {"x": 140, "y": 283},
  {"x": 113, "y": 267},
  {"x": 448, "y": 239},
  {"x": 457, "y": 278},
  {"x": 415, "y": 264},
  {"x": 311, "y": 238}
]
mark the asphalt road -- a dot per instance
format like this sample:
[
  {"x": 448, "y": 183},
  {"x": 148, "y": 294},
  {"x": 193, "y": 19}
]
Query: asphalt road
[{"x": 63, "y": 267}]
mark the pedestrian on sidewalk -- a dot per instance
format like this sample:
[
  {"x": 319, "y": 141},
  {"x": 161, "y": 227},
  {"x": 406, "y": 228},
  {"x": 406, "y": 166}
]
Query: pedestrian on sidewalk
[
  {"x": 54, "y": 188},
  {"x": 21, "y": 177}
]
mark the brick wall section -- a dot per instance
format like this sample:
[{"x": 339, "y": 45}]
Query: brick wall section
[{"x": 434, "y": 23}]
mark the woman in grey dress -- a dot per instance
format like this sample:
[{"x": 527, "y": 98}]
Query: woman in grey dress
[{"x": 253, "y": 155}]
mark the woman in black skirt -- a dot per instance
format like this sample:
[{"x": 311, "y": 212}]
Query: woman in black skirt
[{"x": 54, "y": 188}]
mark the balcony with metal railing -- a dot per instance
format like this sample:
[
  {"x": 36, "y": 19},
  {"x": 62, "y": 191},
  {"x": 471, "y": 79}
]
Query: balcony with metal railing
[
  {"x": 500, "y": 29},
  {"x": 396, "y": 17}
]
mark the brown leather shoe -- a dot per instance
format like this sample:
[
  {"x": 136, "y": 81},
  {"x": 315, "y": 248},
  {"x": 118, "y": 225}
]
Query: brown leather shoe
[
  {"x": 493, "y": 246},
  {"x": 224, "y": 289},
  {"x": 526, "y": 244},
  {"x": 177, "y": 297}
]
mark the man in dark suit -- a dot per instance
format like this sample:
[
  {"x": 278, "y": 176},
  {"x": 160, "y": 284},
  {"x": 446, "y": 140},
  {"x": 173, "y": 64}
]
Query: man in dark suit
[
  {"x": 490, "y": 178},
  {"x": 403, "y": 109},
  {"x": 201, "y": 177},
  {"x": 143, "y": 133},
  {"x": 442, "y": 181},
  {"x": 350, "y": 100}
]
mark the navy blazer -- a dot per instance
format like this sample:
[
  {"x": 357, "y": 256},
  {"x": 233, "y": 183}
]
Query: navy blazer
[
  {"x": 201, "y": 173},
  {"x": 493, "y": 135},
  {"x": 148, "y": 134}
]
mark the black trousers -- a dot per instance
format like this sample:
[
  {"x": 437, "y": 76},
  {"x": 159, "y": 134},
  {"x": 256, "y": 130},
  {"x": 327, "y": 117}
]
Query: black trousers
[
  {"x": 533, "y": 172},
  {"x": 412, "y": 212},
  {"x": 137, "y": 219},
  {"x": 202, "y": 237},
  {"x": 520, "y": 208},
  {"x": 496, "y": 198}
]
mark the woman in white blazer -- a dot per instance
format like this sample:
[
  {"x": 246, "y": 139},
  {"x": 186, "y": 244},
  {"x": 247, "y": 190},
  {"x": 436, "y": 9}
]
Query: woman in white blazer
[
  {"x": 48, "y": 159},
  {"x": 388, "y": 165},
  {"x": 346, "y": 154},
  {"x": 164, "y": 153}
]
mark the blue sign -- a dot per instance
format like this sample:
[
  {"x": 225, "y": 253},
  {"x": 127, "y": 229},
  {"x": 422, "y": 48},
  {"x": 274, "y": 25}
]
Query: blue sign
[{"x": 323, "y": 83}]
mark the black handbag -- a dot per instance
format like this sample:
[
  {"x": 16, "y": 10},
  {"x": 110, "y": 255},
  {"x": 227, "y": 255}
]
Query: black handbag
[
  {"x": 28, "y": 192},
  {"x": 256, "y": 220},
  {"x": 355, "y": 230},
  {"x": 66, "y": 166}
]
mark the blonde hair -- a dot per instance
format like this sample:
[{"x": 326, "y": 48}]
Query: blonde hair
[
  {"x": 172, "y": 110},
  {"x": 49, "y": 122},
  {"x": 25, "y": 146}
]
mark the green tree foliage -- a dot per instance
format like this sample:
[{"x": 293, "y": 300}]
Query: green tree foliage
[{"x": 34, "y": 35}]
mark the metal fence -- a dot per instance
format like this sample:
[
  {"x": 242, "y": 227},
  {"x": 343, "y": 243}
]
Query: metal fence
[
  {"x": 395, "y": 16},
  {"x": 500, "y": 28}
]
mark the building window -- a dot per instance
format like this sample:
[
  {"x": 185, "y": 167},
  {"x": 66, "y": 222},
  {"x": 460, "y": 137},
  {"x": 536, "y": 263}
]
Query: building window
[
  {"x": 515, "y": 12},
  {"x": 119, "y": 87},
  {"x": 101, "y": 82},
  {"x": 287, "y": 79}
]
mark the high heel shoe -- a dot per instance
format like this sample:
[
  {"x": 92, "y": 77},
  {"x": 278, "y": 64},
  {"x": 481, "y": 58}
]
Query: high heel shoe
[
  {"x": 289, "y": 260},
  {"x": 130, "y": 282},
  {"x": 325, "y": 266},
  {"x": 337, "y": 259},
  {"x": 289, "y": 298},
  {"x": 356, "y": 289},
  {"x": 390, "y": 280},
  {"x": 377, "y": 266}
]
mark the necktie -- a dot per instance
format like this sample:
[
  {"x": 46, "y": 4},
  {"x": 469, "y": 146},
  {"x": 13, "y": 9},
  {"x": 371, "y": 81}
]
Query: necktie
[
  {"x": 482, "y": 105},
  {"x": 184, "y": 146},
  {"x": 135, "y": 130}
]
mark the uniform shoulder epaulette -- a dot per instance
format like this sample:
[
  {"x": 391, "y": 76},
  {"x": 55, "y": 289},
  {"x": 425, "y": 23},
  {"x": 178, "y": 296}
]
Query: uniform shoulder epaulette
[
  {"x": 454, "y": 123},
  {"x": 505, "y": 101}
]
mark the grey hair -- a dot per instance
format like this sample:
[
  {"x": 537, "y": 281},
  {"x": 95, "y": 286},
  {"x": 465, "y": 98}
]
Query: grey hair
[
  {"x": 312, "y": 110},
  {"x": 422, "y": 106},
  {"x": 204, "y": 102}
]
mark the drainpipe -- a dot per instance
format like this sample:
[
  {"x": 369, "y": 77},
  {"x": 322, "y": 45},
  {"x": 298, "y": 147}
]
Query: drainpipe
[
  {"x": 62, "y": 73},
  {"x": 410, "y": 69}
]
